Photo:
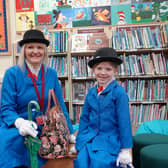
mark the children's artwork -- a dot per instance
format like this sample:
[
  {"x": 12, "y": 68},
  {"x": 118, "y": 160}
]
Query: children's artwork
[
  {"x": 141, "y": 12},
  {"x": 24, "y": 21},
  {"x": 24, "y": 5},
  {"x": 42, "y": 5},
  {"x": 81, "y": 17},
  {"x": 160, "y": 11},
  {"x": 117, "y": 2},
  {"x": 4, "y": 28},
  {"x": 97, "y": 3},
  {"x": 101, "y": 15},
  {"x": 81, "y": 3},
  {"x": 62, "y": 18},
  {"x": 121, "y": 14},
  {"x": 43, "y": 18}
]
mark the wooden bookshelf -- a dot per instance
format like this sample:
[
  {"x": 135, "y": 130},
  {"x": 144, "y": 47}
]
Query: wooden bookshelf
[{"x": 156, "y": 81}]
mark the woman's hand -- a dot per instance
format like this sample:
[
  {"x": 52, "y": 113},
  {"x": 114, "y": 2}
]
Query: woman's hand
[{"x": 26, "y": 127}]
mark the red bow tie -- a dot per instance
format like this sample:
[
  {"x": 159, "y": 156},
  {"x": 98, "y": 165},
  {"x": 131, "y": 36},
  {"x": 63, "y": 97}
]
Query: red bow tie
[
  {"x": 34, "y": 76},
  {"x": 99, "y": 89}
]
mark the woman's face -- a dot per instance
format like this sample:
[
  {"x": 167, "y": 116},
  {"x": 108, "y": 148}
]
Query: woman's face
[
  {"x": 104, "y": 72},
  {"x": 34, "y": 53}
]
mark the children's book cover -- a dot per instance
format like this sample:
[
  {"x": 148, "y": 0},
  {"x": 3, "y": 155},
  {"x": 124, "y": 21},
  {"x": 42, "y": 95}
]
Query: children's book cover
[
  {"x": 141, "y": 12},
  {"x": 43, "y": 18},
  {"x": 121, "y": 14},
  {"x": 160, "y": 11},
  {"x": 24, "y": 5},
  {"x": 97, "y": 40},
  {"x": 24, "y": 21},
  {"x": 81, "y": 17},
  {"x": 62, "y": 18},
  {"x": 101, "y": 15},
  {"x": 79, "y": 42}
]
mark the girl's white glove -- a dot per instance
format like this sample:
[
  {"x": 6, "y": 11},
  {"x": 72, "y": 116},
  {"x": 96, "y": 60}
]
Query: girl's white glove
[
  {"x": 72, "y": 150},
  {"x": 124, "y": 158},
  {"x": 72, "y": 138},
  {"x": 26, "y": 127}
]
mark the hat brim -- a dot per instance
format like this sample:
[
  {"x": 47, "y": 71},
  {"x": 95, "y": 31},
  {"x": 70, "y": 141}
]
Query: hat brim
[
  {"x": 94, "y": 61},
  {"x": 44, "y": 41}
]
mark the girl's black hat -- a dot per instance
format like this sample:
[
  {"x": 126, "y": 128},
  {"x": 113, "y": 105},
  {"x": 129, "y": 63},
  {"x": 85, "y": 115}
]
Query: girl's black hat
[
  {"x": 105, "y": 54},
  {"x": 33, "y": 35}
]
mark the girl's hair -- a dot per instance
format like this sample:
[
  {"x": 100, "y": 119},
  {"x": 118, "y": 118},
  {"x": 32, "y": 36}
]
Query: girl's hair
[{"x": 21, "y": 60}]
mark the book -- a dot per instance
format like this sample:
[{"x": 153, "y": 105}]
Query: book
[
  {"x": 79, "y": 42},
  {"x": 97, "y": 40}
]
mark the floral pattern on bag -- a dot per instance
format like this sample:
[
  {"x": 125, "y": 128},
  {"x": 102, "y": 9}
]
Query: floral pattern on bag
[{"x": 55, "y": 135}]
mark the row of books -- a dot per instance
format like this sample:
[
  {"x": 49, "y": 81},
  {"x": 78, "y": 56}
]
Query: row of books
[
  {"x": 58, "y": 41},
  {"x": 139, "y": 37},
  {"x": 59, "y": 64},
  {"x": 80, "y": 66},
  {"x": 142, "y": 113},
  {"x": 137, "y": 90},
  {"x": 144, "y": 64},
  {"x": 138, "y": 113},
  {"x": 80, "y": 89},
  {"x": 146, "y": 90}
]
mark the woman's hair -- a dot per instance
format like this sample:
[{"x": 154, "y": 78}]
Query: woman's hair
[{"x": 21, "y": 60}]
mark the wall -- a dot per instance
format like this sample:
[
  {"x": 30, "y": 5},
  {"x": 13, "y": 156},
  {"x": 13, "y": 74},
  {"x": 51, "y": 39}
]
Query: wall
[{"x": 7, "y": 61}]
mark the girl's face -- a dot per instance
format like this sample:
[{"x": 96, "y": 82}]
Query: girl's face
[
  {"x": 34, "y": 53},
  {"x": 104, "y": 72}
]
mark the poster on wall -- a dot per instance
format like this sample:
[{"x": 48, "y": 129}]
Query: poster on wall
[{"x": 5, "y": 48}]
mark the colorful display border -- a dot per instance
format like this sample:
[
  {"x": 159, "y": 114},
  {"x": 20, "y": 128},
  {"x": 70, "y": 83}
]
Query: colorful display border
[{"x": 5, "y": 48}]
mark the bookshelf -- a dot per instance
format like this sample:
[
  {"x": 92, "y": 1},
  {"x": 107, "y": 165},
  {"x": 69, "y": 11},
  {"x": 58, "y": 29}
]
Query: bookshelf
[{"x": 143, "y": 74}]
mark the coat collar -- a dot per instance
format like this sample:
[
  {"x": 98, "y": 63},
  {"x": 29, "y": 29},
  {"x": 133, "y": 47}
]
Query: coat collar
[{"x": 106, "y": 90}]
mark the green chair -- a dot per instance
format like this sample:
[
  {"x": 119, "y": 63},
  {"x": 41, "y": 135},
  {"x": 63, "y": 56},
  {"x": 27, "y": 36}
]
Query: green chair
[
  {"x": 154, "y": 156},
  {"x": 142, "y": 140}
]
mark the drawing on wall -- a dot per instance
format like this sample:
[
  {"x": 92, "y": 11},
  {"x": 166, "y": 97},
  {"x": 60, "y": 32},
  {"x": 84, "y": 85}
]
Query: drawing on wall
[{"x": 4, "y": 29}]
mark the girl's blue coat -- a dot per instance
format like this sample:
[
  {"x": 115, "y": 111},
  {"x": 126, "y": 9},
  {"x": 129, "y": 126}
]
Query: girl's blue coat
[
  {"x": 17, "y": 92},
  {"x": 104, "y": 124}
]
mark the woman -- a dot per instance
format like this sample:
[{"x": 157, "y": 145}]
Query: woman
[{"x": 30, "y": 80}]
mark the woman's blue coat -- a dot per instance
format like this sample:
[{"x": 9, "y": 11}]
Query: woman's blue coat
[
  {"x": 17, "y": 92},
  {"x": 105, "y": 122}
]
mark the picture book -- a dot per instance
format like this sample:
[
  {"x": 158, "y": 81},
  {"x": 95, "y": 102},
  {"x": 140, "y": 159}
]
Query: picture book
[
  {"x": 79, "y": 42},
  {"x": 97, "y": 40}
]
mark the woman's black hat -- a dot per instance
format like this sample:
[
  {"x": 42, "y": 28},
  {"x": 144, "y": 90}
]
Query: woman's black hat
[
  {"x": 33, "y": 35},
  {"x": 105, "y": 54}
]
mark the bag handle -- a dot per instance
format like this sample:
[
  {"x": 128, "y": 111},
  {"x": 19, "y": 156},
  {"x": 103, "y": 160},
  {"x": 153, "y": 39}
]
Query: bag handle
[{"x": 56, "y": 103}]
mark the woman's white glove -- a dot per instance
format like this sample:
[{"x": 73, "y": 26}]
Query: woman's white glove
[
  {"x": 124, "y": 158},
  {"x": 72, "y": 138},
  {"x": 26, "y": 127}
]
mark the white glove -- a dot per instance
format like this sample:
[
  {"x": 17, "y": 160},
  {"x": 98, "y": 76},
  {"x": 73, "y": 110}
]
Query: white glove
[
  {"x": 72, "y": 150},
  {"x": 26, "y": 127},
  {"x": 72, "y": 138},
  {"x": 124, "y": 158}
]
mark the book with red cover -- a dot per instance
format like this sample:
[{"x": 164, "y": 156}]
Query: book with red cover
[{"x": 97, "y": 40}]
